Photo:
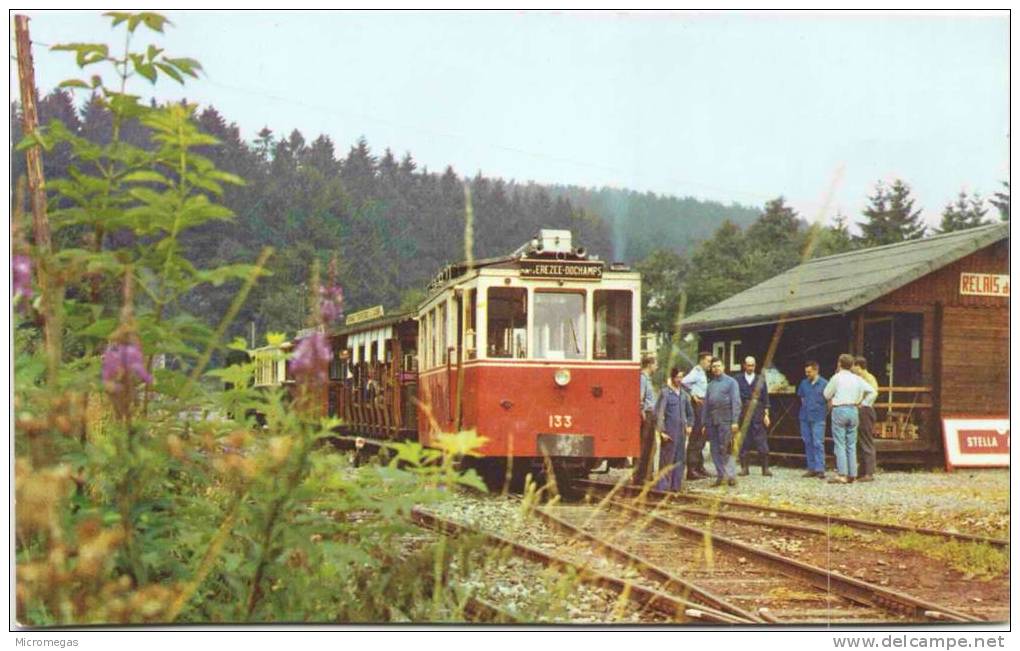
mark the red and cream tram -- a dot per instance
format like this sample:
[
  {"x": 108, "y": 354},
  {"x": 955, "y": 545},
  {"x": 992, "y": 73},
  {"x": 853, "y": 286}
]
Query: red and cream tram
[{"x": 536, "y": 351}]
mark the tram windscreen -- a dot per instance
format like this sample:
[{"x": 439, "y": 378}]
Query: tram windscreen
[
  {"x": 613, "y": 324},
  {"x": 559, "y": 325},
  {"x": 508, "y": 322}
]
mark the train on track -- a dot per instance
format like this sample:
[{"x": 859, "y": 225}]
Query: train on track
[{"x": 537, "y": 351}]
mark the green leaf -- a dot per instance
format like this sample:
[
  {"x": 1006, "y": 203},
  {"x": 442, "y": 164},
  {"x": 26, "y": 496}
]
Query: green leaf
[
  {"x": 185, "y": 65},
  {"x": 154, "y": 21},
  {"x": 85, "y": 53},
  {"x": 148, "y": 71},
  {"x": 171, "y": 72},
  {"x": 117, "y": 16},
  {"x": 152, "y": 52},
  {"x": 145, "y": 176}
]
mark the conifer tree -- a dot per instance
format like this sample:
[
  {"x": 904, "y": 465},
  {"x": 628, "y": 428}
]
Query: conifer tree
[
  {"x": 966, "y": 212},
  {"x": 1001, "y": 201},
  {"x": 891, "y": 217}
]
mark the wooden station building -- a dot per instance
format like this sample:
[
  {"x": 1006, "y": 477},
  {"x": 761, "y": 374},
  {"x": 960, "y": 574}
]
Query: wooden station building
[{"x": 931, "y": 316}]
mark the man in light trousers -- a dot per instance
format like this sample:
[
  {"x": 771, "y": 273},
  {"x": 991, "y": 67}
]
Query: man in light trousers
[{"x": 846, "y": 391}]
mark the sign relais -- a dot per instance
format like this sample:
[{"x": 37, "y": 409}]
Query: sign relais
[
  {"x": 975, "y": 284},
  {"x": 562, "y": 269}
]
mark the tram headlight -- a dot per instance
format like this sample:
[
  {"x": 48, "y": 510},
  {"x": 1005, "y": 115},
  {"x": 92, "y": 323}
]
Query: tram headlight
[{"x": 562, "y": 377}]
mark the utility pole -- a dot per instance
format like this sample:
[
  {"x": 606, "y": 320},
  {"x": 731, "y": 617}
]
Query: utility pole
[{"x": 37, "y": 191}]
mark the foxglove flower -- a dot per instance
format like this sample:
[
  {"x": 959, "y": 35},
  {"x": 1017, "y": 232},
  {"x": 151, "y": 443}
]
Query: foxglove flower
[
  {"x": 310, "y": 363},
  {"x": 21, "y": 276},
  {"x": 122, "y": 365},
  {"x": 331, "y": 303}
]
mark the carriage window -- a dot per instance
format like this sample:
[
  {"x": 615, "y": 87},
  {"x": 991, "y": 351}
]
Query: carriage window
[
  {"x": 443, "y": 329},
  {"x": 508, "y": 322},
  {"x": 559, "y": 325},
  {"x": 470, "y": 342},
  {"x": 432, "y": 338},
  {"x": 613, "y": 318}
]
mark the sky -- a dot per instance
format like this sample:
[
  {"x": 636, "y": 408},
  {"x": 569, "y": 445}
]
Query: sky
[{"x": 733, "y": 107}]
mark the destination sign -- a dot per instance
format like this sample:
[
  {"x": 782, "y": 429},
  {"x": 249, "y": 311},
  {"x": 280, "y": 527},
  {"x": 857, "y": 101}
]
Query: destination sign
[
  {"x": 974, "y": 284},
  {"x": 364, "y": 315},
  {"x": 562, "y": 269}
]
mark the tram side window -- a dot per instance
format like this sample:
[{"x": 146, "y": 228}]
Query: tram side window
[
  {"x": 559, "y": 325},
  {"x": 508, "y": 322},
  {"x": 613, "y": 324}
]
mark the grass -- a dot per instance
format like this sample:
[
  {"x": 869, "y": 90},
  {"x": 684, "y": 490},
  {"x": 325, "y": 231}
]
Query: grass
[
  {"x": 842, "y": 532},
  {"x": 974, "y": 560}
]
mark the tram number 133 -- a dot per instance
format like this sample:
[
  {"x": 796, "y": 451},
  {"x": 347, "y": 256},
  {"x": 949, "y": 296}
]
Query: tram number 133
[{"x": 561, "y": 421}]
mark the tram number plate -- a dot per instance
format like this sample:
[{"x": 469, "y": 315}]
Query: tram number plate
[{"x": 561, "y": 421}]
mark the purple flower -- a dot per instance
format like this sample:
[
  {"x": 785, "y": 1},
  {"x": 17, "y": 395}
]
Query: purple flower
[
  {"x": 331, "y": 303},
  {"x": 120, "y": 362},
  {"x": 21, "y": 276},
  {"x": 310, "y": 362}
]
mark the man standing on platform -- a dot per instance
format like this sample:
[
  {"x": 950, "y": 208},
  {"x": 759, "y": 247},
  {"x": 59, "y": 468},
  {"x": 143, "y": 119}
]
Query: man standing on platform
[
  {"x": 696, "y": 382},
  {"x": 720, "y": 415},
  {"x": 754, "y": 400},
  {"x": 813, "y": 409},
  {"x": 647, "y": 406},
  {"x": 866, "y": 423},
  {"x": 847, "y": 392}
]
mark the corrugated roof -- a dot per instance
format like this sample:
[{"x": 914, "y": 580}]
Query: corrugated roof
[{"x": 838, "y": 284}]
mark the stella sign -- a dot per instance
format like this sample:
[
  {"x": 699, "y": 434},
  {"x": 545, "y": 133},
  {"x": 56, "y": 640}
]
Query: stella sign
[{"x": 976, "y": 442}]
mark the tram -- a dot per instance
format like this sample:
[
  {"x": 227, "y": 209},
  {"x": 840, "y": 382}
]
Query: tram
[{"x": 537, "y": 351}]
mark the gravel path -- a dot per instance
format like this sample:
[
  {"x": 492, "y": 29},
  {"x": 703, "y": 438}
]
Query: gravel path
[{"x": 972, "y": 501}]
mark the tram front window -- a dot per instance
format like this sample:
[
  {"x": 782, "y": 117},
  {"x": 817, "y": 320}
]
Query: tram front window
[
  {"x": 508, "y": 322},
  {"x": 559, "y": 325}
]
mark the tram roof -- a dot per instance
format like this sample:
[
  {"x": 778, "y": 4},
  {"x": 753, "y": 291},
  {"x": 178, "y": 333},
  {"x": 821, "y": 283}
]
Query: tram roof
[
  {"x": 371, "y": 324},
  {"x": 838, "y": 284}
]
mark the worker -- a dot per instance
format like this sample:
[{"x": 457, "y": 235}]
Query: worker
[{"x": 720, "y": 414}]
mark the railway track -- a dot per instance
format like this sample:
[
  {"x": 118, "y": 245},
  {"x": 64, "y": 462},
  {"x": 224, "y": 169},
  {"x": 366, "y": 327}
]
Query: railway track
[
  {"x": 669, "y": 607},
  {"x": 775, "y": 587},
  {"x": 724, "y": 508}
]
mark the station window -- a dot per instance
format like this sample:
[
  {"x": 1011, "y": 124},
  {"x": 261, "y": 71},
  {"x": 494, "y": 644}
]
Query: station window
[
  {"x": 613, "y": 324},
  {"x": 559, "y": 325},
  {"x": 508, "y": 322}
]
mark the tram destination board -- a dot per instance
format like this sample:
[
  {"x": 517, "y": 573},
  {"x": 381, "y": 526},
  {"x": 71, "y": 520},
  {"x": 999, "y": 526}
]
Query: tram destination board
[{"x": 566, "y": 270}]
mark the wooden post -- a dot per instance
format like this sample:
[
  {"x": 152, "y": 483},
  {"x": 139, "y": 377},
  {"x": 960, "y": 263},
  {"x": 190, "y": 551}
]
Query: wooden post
[{"x": 51, "y": 303}]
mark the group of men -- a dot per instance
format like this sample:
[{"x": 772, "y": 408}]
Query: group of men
[
  {"x": 724, "y": 405},
  {"x": 850, "y": 394}
]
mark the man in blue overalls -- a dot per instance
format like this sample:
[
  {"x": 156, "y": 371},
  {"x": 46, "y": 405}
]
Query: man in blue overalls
[
  {"x": 754, "y": 400},
  {"x": 720, "y": 414}
]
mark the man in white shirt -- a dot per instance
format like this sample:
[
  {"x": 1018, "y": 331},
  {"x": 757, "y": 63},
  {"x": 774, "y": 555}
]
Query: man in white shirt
[
  {"x": 846, "y": 392},
  {"x": 696, "y": 382}
]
